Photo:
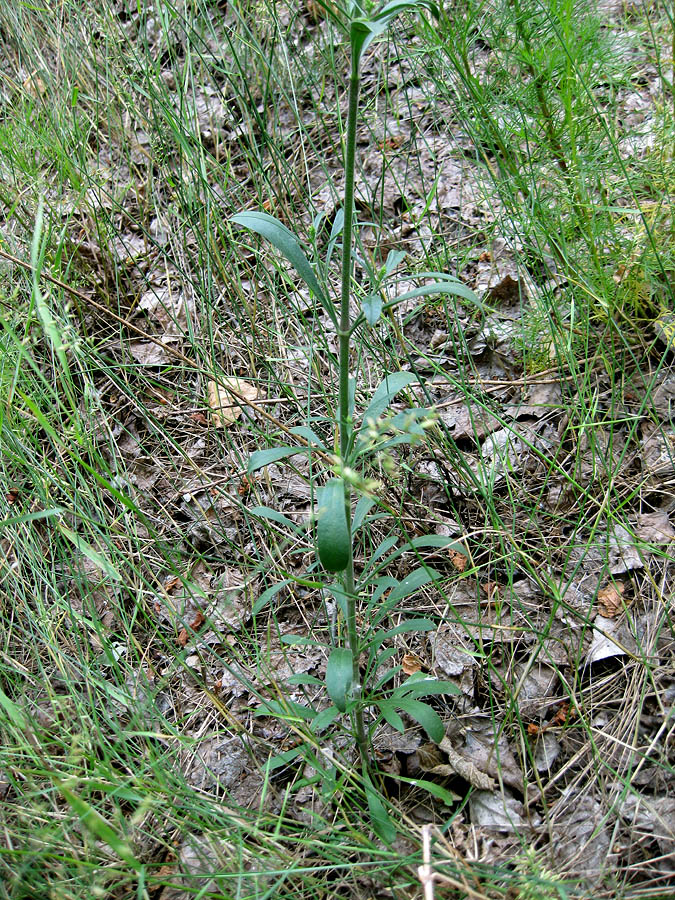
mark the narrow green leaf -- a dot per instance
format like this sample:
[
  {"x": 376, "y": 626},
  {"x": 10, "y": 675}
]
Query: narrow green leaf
[
  {"x": 281, "y": 759},
  {"x": 93, "y": 820},
  {"x": 425, "y": 540},
  {"x": 394, "y": 258},
  {"x": 87, "y": 550},
  {"x": 441, "y": 793},
  {"x": 323, "y": 719},
  {"x": 336, "y": 230},
  {"x": 396, "y": 7},
  {"x": 384, "y": 547},
  {"x": 299, "y": 640},
  {"x": 361, "y": 33},
  {"x": 389, "y": 653},
  {"x": 261, "y": 458},
  {"x": 384, "y": 394},
  {"x": 424, "y": 687},
  {"x": 341, "y": 597},
  {"x": 454, "y": 288},
  {"x": 372, "y": 308},
  {"x": 14, "y": 712},
  {"x": 339, "y": 675},
  {"x": 269, "y": 595},
  {"x": 288, "y": 710},
  {"x": 273, "y": 515},
  {"x": 427, "y": 717},
  {"x": 390, "y": 715},
  {"x": 409, "y": 420},
  {"x": 382, "y": 584},
  {"x": 362, "y": 509},
  {"x": 433, "y": 540},
  {"x": 379, "y": 817},
  {"x": 396, "y": 441},
  {"x": 332, "y": 531},
  {"x": 413, "y": 582},
  {"x": 304, "y": 678},
  {"x": 409, "y": 626},
  {"x": 31, "y": 517},
  {"x": 287, "y": 243},
  {"x": 308, "y": 434}
]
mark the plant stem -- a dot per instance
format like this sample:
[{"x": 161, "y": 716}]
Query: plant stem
[
  {"x": 344, "y": 335},
  {"x": 345, "y": 322}
]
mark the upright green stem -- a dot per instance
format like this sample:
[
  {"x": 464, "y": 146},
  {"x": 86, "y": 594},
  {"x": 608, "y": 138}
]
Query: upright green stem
[
  {"x": 345, "y": 418},
  {"x": 345, "y": 320}
]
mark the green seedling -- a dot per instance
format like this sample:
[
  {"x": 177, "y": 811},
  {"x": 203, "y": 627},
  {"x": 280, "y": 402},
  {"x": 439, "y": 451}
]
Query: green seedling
[{"x": 336, "y": 524}]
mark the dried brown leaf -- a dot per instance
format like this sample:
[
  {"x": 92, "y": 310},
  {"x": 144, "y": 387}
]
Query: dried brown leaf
[
  {"x": 499, "y": 812},
  {"x": 226, "y": 408},
  {"x": 411, "y": 664},
  {"x": 459, "y": 560},
  {"x": 623, "y": 555},
  {"x": 610, "y": 599},
  {"x": 655, "y": 528},
  {"x": 464, "y": 421},
  {"x": 148, "y": 354},
  {"x": 465, "y": 768},
  {"x": 34, "y": 85}
]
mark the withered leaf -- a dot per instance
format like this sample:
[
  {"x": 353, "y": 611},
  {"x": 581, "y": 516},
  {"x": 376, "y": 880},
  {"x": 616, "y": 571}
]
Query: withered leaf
[
  {"x": 610, "y": 599},
  {"x": 226, "y": 408},
  {"x": 458, "y": 560},
  {"x": 411, "y": 664},
  {"x": 655, "y": 528},
  {"x": 459, "y": 765}
]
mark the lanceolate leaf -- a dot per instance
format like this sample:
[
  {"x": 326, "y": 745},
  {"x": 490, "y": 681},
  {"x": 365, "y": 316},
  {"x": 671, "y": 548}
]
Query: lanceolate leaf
[
  {"x": 308, "y": 434},
  {"x": 268, "y": 595},
  {"x": 31, "y": 517},
  {"x": 379, "y": 817},
  {"x": 339, "y": 674},
  {"x": 425, "y": 540},
  {"x": 372, "y": 308},
  {"x": 406, "y": 627},
  {"x": 13, "y": 711},
  {"x": 363, "y": 507},
  {"x": 93, "y": 555},
  {"x": 427, "y": 717},
  {"x": 380, "y": 551},
  {"x": 423, "y": 687},
  {"x": 285, "y": 241},
  {"x": 393, "y": 8},
  {"x": 261, "y": 458},
  {"x": 411, "y": 583},
  {"x": 287, "y": 710},
  {"x": 455, "y": 288},
  {"x": 273, "y": 515},
  {"x": 323, "y": 719},
  {"x": 335, "y": 232},
  {"x": 390, "y": 715},
  {"x": 362, "y": 31},
  {"x": 411, "y": 625},
  {"x": 92, "y": 819},
  {"x": 332, "y": 531},
  {"x": 394, "y": 257},
  {"x": 281, "y": 759},
  {"x": 441, "y": 793},
  {"x": 384, "y": 394}
]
